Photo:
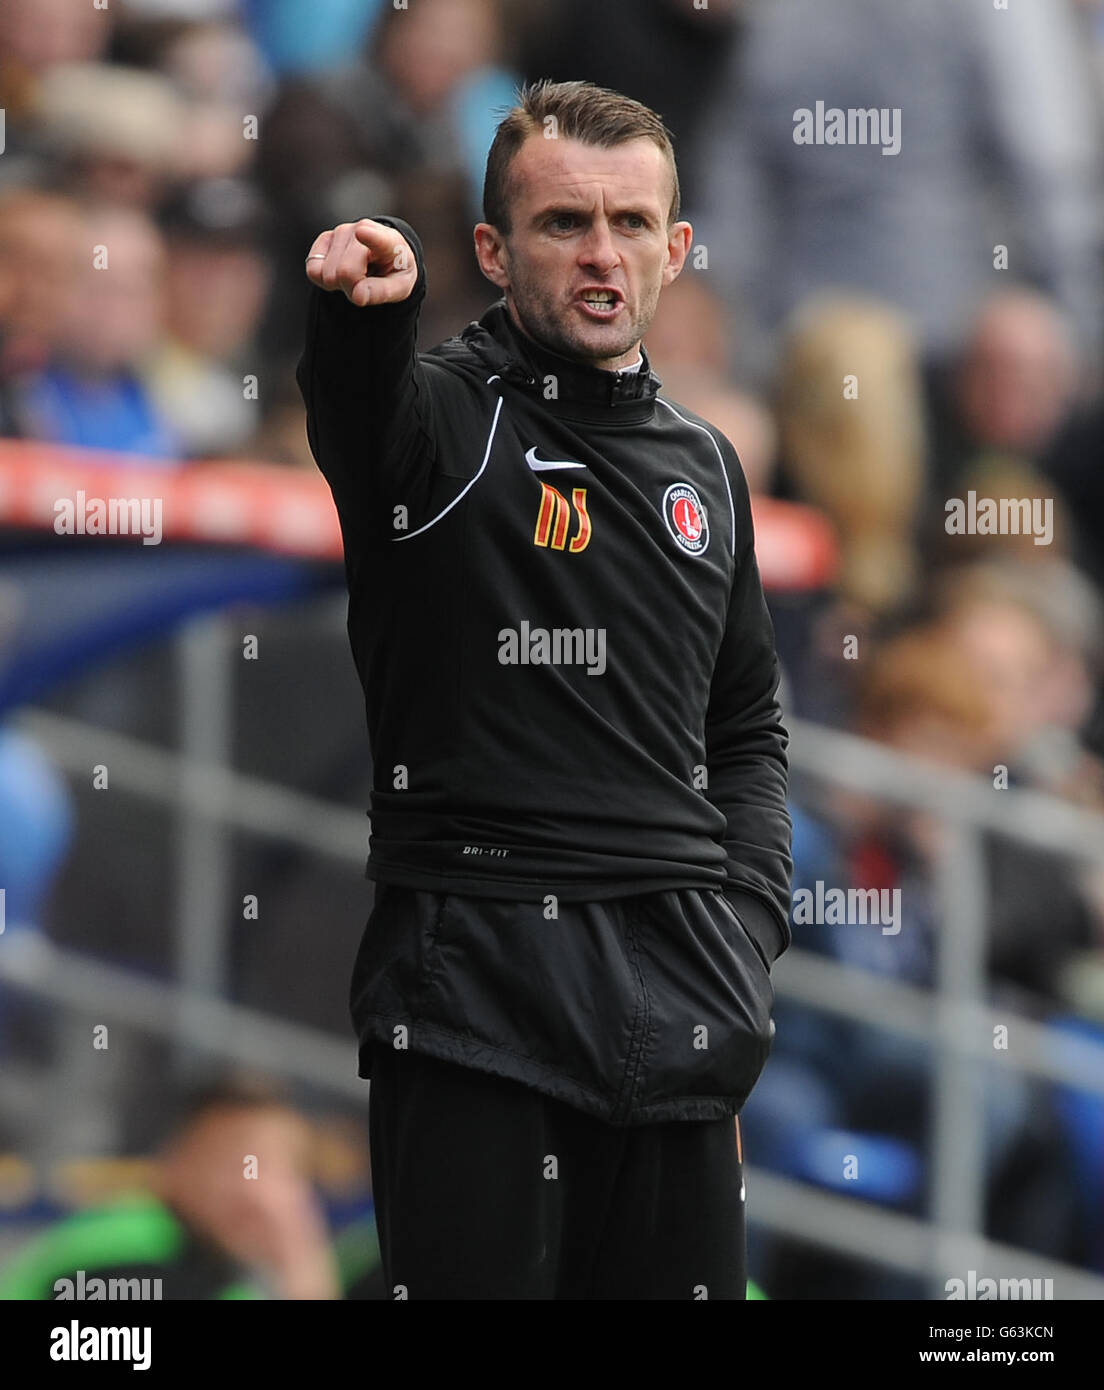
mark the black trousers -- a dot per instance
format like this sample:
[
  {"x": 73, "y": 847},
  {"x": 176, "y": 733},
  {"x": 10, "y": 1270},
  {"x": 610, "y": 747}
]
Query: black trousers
[{"x": 487, "y": 1189}]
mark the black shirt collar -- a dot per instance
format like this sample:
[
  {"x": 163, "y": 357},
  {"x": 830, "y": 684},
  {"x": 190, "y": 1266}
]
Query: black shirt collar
[{"x": 580, "y": 390}]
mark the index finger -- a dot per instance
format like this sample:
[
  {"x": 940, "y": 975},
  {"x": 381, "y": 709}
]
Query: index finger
[{"x": 384, "y": 243}]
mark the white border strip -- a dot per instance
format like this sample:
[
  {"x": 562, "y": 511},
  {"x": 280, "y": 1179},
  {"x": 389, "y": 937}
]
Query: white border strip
[
  {"x": 486, "y": 455},
  {"x": 724, "y": 471}
]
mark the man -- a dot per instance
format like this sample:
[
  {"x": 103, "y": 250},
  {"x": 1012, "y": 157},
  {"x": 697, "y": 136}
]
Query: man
[
  {"x": 579, "y": 831},
  {"x": 230, "y": 1212}
]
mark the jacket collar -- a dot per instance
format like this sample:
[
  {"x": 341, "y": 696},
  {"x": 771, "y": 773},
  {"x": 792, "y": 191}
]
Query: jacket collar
[{"x": 581, "y": 391}]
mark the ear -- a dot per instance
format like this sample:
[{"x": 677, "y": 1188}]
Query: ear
[
  {"x": 680, "y": 237},
  {"x": 490, "y": 252}
]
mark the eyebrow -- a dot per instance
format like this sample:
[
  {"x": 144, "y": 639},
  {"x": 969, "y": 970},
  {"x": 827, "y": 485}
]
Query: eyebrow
[{"x": 578, "y": 210}]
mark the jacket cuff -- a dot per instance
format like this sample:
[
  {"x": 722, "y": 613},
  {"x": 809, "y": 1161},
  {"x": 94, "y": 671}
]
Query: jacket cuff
[{"x": 760, "y": 923}]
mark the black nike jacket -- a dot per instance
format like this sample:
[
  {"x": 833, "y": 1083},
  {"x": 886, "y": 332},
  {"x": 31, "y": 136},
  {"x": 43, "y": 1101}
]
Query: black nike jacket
[{"x": 557, "y": 619}]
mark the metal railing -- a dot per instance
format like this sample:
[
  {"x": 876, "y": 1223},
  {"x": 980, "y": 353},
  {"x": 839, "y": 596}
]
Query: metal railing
[{"x": 208, "y": 796}]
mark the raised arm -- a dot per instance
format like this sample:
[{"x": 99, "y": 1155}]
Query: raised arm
[{"x": 359, "y": 374}]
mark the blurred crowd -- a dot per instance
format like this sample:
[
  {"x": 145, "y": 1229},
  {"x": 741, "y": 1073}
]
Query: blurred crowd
[{"x": 877, "y": 334}]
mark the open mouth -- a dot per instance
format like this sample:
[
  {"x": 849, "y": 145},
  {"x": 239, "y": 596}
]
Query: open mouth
[{"x": 601, "y": 303}]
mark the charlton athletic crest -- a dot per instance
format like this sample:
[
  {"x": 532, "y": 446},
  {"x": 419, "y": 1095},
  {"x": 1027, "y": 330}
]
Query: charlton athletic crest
[{"x": 685, "y": 517}]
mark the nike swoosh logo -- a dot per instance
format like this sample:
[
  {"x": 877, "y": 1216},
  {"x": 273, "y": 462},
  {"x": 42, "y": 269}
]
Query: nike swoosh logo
[{"x": 537, "y": 464}]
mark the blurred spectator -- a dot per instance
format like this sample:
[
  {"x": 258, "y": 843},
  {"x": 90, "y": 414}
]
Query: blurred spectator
[
  {"x": 215, "y": 281},
  {"x": 849, "y": 1087},
  {"x": 38, "y": 270},
  {"x": 119, "y": 134},
  {"x": 229, "y": 1213},
  {"x": 219, "y": 78},
  {"x": 33, "y": 39},
  {"x": 852, "y": 437},
  {"x": 92, "y": 393},
  {"x": 210, "y": 62},
  {"x": 1017, "y": 378},
  {"x": 688, "y": 348},
  {"x": 1008, "y": 391},
  {"x": 921, "y": 698},
  {"x": 925, "y": 695},
  {"x": 1000, "y": 144},
  {"x": 1033, "y": 641},
  {"x": 918, "y": 697},
  {"x": 418, "y": 105}
]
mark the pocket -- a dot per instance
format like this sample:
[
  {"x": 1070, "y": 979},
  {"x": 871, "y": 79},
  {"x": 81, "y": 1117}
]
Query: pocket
[
  {"x": 760, "y": 970},
  {"x": 709, "y": 997},
  {"x": 733, "y": 916}
]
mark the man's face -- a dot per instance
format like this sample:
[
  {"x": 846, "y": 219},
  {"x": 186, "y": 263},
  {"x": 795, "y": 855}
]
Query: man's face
[
  {"x": 206, "y": 1178},
  {"x": 589, "y": 247}
]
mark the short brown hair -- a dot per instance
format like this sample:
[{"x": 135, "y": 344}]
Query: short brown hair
[
  {"x": 581, "y": 111},
  {"x": 919, "y": 674}
]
